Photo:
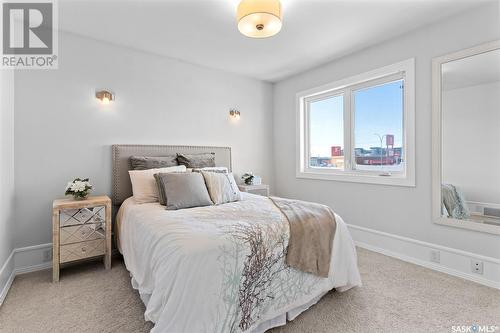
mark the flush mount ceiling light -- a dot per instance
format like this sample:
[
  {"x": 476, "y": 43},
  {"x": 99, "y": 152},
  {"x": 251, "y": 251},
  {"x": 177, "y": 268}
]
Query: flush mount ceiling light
[{"x": 259, "y": 18}]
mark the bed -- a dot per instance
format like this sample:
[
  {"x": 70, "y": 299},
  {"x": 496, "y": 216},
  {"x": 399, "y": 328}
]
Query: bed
[{"x": 217, "y": 268}]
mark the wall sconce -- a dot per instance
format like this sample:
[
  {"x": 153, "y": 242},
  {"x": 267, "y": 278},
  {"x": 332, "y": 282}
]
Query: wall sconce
[
  {"x": 105, "y": 96},
  {"x": 235, "y": 114}
]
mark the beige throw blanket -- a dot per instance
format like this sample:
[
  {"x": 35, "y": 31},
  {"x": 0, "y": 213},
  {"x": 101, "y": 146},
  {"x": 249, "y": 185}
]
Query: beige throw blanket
[{"x": 312, "y": 228}]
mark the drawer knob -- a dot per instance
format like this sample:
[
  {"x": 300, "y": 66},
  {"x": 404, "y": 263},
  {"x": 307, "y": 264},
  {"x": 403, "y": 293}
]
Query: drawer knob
[{"x": 84, "y": 249}]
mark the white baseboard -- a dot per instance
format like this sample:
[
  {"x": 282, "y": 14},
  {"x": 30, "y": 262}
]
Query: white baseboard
[
  {"x": 20, "y": 261},
  {"x": 452, "y": 261},
  {"x": 6, "y": 277},
  {"x": 30, "y": 259}
]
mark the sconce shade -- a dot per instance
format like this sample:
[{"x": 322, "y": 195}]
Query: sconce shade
[
  {"x": 259, "y": 18},
  {"x": 104, "y": 96}
]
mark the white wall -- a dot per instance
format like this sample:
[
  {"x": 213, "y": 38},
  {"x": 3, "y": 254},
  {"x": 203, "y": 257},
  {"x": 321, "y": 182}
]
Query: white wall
[
  {"x": 471, "y": 141},
  {"x": 6, "y": 165},
  {"x": 61, "y": 132},
  {"x": 402, "y": 211}
]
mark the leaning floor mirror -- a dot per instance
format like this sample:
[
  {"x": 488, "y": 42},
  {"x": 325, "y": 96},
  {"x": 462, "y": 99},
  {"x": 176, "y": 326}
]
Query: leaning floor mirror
[{"x": 466, "y": 138}]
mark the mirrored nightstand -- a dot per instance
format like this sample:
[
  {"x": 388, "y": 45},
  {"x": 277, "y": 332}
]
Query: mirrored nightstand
[{"x": 81, "y": 229}]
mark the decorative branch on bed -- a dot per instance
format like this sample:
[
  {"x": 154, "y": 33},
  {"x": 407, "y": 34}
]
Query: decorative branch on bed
[{"x": 265, "y": 260}]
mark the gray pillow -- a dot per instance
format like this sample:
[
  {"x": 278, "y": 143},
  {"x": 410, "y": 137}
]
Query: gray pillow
[
  {"x": 195, "y": 161},
  {"x": 184, "y": 190},
  {"x": 161, "y": 192},
  {"x": 148, "y": 162},
  {"x": 159, "y": 186}
]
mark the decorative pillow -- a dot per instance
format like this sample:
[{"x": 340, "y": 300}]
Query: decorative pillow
[
  {"x": 159, "y": 187},
  {"x": 147, "y": 162},
  {"x": 222, "y": 187},
  {"x": 143, "y": 183},
  {"x": 184, "y": 190},
  {"x": 196, "y": 161},
  {"x": 454, "y": 202}
]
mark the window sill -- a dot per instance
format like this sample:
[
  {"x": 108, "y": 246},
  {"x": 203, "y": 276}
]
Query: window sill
[{"x": 394, "y": 180}]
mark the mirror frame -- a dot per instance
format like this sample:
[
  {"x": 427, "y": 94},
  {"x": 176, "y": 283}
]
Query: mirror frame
[{"x": 437, "y": 139}]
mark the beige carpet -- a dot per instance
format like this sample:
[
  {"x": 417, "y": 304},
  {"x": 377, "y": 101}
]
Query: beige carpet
[{"x": 396, "y": 297}]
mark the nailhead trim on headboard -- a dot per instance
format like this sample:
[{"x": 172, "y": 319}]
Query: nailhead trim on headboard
[{"x": 121, "y": 192}]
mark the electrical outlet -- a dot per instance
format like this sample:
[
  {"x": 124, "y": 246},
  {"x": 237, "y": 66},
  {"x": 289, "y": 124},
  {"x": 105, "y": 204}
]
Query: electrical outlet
[
  {"x": 47, "y": 255},
  {"x": 435, "y": 256},
  {"x": 476, "y": 266}
]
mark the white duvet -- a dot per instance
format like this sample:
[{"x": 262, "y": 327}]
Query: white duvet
[{"x": 222, "y": 268}]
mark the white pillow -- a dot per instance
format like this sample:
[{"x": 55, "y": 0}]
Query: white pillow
[
  {"x": 144, "y": 184},
  {"x": 221, "y": 187}
]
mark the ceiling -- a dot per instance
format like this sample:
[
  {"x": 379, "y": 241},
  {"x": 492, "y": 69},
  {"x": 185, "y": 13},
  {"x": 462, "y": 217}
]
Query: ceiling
[
  {"x": 471, "y": 71},
  {"x": 204, "y": 32}
]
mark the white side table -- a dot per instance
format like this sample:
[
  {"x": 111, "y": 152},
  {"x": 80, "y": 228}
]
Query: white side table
[{"x": 262, "y": 189}]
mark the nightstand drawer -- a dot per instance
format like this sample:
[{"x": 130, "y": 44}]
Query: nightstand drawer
[
  {"x": 261, "y": 189},
  {"x": 81, "y": 233},
  {"x": 82, "y": 250},
  {"x": 263, "y": 192},
  {"x": 70, "y": 217}
]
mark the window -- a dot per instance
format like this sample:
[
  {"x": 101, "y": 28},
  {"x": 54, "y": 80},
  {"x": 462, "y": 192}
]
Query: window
[
  {"x": 326, "y": 118},
  {"x": 360, "y": 129}
]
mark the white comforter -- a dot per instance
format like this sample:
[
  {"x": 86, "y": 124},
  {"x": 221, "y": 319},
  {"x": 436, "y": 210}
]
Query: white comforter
[{"x": 221, "y": 268}]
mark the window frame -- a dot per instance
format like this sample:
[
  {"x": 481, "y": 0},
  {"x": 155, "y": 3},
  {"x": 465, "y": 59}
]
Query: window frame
[{"x": 402, "y": 70}]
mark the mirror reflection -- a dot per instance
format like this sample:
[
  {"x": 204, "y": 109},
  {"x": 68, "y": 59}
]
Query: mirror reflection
[{"x": 470, "y": 104}]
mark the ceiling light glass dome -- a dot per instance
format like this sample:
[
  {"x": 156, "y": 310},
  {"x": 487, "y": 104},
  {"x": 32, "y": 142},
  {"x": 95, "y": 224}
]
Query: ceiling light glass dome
[{"x": 259, "y": 18}]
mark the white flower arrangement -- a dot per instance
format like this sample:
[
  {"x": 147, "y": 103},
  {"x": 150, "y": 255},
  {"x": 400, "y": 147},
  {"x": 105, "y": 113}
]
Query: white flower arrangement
[
  {"x": 79, "y": 188},
  {"x": 248, "y": 178}
]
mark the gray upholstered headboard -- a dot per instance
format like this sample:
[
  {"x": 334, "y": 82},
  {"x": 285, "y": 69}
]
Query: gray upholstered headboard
[{"x": 122, "y": 188}]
